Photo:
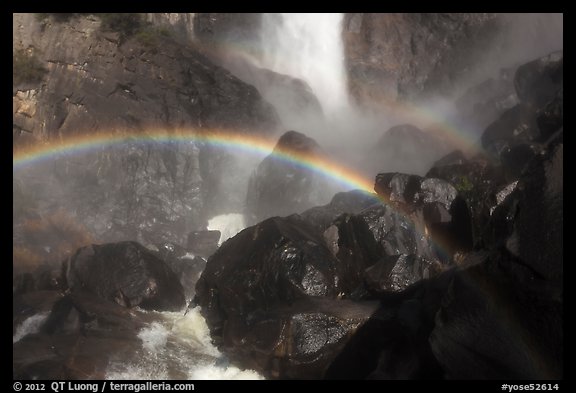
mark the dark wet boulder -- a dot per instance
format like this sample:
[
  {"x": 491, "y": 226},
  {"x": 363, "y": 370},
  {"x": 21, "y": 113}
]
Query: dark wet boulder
[
  {"x": 267, "y": 294},
  {"x": 397, "y": 272},
  {"x": 352, "y": 202},
  {"x": 516, "y": 126},
  {"x": 500, "y": 319},
  {"x": 350, "y": 240},
  {"x": 434, "y": 205},
  {"x": 396, "y": 232},
  {"x": 477, "y": 180},
  {"x": 276, "y": 261},
  {"x": 517, "y": 136},
  {"x": 279, "y": 186},
  {"x": 126, "y": 273},
  {"x": 77, "y": 339},
  {"x": 538, "y": 81},
  {"x": 529, "y": 223},
  {"x": 393, "y": 343},
  {"x": 187, "y": 266},
  {"x": 296, "y": 341}
]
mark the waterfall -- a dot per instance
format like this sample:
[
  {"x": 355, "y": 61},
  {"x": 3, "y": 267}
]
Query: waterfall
[{"x": 309, "y": 47}]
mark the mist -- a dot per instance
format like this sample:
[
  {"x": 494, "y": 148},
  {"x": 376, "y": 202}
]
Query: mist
[{"x": 165, "y": 156}]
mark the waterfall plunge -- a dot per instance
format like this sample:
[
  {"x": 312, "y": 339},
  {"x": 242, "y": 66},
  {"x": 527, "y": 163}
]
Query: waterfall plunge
[{"x": 309, "y": 47}]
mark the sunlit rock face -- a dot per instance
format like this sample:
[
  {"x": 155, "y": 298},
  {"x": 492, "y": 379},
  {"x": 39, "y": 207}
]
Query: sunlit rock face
[{"x": 279, "y": 187}]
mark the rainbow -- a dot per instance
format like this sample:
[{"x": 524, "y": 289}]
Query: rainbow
[
  {"x": 218, "y": 138},
  {"x": 231, "y": 140}
]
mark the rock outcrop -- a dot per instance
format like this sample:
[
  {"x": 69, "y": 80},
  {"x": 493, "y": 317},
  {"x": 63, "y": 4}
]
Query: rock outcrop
[
  {"x": 125, "y": 273},
  {"x": 281, "y": 186}
]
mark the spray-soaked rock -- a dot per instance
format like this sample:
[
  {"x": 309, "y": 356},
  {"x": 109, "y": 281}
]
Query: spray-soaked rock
[
  {"x": 477, "y": 180},
  {"x": 393, "y": 343},
  {"x": 279, "y": 187},
  {"x": 187, "y": 266},
  {"x": 79, "y": 337},
  {"x": 519, "y": 134},
  {"x": 501, "y": 320},
  {"x": 498, "y": 316},
  {"x": 126, "y": 273},
  {"x": 259, "y": 294},
  {"x": 433, "y": 205},
  {"x": 538, "y": 81},
  {"x": 516, "y": 126},
  {"x": 350, "y": 240}
]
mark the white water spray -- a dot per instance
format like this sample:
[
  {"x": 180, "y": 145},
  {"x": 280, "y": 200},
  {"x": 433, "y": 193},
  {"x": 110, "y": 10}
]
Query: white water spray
[
  {"x": 176, "y": 346},
  {"x": 228, "y": 225},
  {"x": 309, "y": 47}
]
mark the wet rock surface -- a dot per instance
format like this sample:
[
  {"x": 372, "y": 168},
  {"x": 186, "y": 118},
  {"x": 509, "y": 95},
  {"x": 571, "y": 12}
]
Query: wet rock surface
[
  {"x": 126, "y": 273},
  {"x": 279, "y": 185}
]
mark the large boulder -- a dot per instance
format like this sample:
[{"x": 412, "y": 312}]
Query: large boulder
[
  {"x": 538, "y": 81},
  {"x": 270, "y": 293},
  {"x": 520, "y": 133},
  {"x": 393, "y": 343},
  {"x": 433, "y": 204},
  {"x": 77, "y": 338},
  {"x": 126, "y": 273},
  {"x": 478, "y": 180},
  {"x": 500, "y": 319},
  {"x": 279, "y": 187},
  {"x": 185, "y": 265}
]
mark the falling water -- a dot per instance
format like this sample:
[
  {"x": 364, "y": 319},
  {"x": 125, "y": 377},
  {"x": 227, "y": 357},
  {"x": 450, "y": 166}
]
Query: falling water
[{"x": 309, "y": 47}]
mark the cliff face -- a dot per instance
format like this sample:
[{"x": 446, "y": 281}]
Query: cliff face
[
  {"x": 415, "y": 56},
  {"x": 100, "y": 81},
  {"x": 396, "y": 56},
  {"x": 96, "y": 83}
]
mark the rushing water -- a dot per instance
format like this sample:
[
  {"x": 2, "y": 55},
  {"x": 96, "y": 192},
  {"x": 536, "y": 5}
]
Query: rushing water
[
  {"x": 177, "y": 347},
  {"x": 309, "y": 47}
]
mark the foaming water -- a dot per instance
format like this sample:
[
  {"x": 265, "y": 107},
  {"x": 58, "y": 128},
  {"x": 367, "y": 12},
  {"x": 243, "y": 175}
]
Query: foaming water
[
  {"x": 28, "y": 326},
  {"x": 177, "y": 347},
  {"x": 228, "y": 225},
  {"x": 309, "y": 47}
]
